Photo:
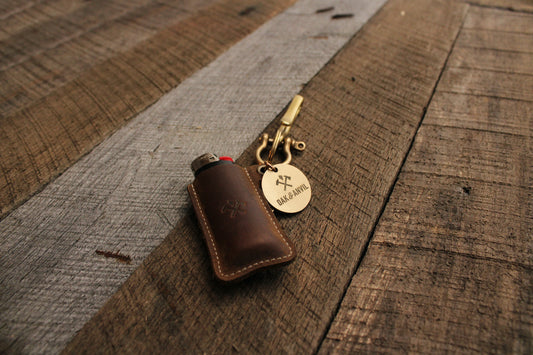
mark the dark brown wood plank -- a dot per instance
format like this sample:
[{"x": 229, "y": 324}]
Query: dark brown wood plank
[
  {"x": 17, "y": 15},
  {"x": 484, "y": 59},
  {"x": 450, "y": 266},
  {"x": 43, "y": 35},
  {"x": 480, "y": 113},
  {"x": 504, "y": 84},
  {"x": 42, "y": 140},
  {"x": 77, "y": 41},
  {"x": 360, "y": 114},
  {"x": 493, "y": 19},
  {"x": 500, "y": 41}
]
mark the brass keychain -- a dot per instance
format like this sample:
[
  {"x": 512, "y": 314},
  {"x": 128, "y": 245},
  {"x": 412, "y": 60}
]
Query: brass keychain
[{"x": 285, "y": 187}]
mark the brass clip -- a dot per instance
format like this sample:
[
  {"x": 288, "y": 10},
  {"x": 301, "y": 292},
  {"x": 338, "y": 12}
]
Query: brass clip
[{"x": 282, "y": 135}]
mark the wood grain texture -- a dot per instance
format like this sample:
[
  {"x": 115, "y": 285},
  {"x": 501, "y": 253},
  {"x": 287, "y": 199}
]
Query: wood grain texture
[
  {"x": 360, "y": 115},
  {"x": 498, "y": 20},
  {"x": 128, "y": 193},
  {"x": 44, "y": 55},
  {"x": 19, "y": 15},
  {"x": 41, "y": 140},
  {"x": 450, "y": 266},
  {"x": 514, "y": 5}
]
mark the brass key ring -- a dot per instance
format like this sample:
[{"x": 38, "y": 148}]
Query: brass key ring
[
  {"x": 282, "y": 136},
  {"x": 277, "y": 140},
  {"x": 287, "y": 145}
]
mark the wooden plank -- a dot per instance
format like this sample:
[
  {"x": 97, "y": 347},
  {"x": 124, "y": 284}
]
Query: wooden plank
[
  {"x": 449, "y": 268},
  {"x": 42, "y": 140},
  {"x": 480, "y": 113},
  {"x": 78, "y": 19},
  {"x": 481, "y": 83},
  {"x": 129, "y": 192},
  {"x": 19, "y": 15},
  {"x": 502, "y": 41},
  {"x": 75, "y": 42},
  {"x": 515, "y": 5},
  {"x": 499, "y": 21},
  {"x": 484, "y": 59},
  {"x": 358, "y": 121}
]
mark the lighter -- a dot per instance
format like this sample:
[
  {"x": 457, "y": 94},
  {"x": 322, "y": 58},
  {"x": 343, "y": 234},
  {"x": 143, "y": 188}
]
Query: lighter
[{"x": 240, "y": 229}]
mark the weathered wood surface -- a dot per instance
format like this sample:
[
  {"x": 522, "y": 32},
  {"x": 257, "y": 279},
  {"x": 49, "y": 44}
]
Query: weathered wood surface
[
  {"x": 129, "y": 192},
  {"x": 445, "y": 267},
  {"x": 61, "y": 96},
  {"x": 450, "y": 266},
  {"x": 514, "y": 5},
  {"x": 361, "y": 113},
  {"x": 47, "y": 44}
]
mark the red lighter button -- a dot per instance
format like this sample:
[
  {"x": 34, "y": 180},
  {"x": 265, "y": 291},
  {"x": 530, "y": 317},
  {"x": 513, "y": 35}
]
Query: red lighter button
[{"x": 226, "y": 158}]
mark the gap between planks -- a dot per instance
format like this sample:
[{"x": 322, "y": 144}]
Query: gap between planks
[
  {"x": 477, "y": 232},
  {"x": 389, "y": 193}
]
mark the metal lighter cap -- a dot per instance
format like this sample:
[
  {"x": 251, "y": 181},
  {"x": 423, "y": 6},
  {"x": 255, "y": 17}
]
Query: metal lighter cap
[{"x": 203, "y": 160}]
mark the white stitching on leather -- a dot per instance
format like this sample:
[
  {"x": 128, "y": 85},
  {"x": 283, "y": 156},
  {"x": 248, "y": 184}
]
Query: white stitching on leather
[
  {"x": 212, "y": 241},
  {"x": 268, "y": 214},
  {"x": 204, "y": 222}
]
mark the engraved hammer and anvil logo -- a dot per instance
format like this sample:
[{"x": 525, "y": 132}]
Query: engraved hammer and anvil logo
[{"x": 283, "y": 180}]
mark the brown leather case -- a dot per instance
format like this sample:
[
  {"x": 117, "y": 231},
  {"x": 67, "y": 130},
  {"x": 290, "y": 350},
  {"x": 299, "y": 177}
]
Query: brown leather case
[{"x": 241, "y": 231}]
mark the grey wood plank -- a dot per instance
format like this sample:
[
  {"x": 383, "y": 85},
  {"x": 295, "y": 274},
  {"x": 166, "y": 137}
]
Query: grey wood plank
[
  {"x": 129, "y": 192},
  {"x": 359, "y": 117},
  {"x": 450, "y": 266}
]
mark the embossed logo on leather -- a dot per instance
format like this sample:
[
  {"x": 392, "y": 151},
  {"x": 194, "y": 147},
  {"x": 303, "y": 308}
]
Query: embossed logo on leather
[{"x": 233, "y": 208}]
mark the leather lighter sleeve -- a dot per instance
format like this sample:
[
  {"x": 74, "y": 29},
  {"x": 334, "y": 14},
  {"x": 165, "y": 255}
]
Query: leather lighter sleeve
[{"x": 241, "y": 231}]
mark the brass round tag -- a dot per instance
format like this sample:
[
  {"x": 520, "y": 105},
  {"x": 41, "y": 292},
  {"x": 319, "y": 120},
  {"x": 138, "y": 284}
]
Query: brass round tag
[{"x": 286, "y": 189}]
